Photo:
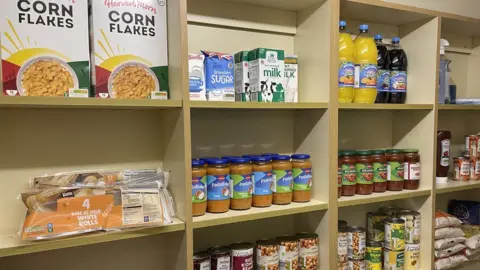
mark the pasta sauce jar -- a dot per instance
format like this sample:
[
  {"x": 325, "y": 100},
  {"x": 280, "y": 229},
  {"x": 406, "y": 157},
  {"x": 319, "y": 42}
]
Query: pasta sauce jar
[
  {"x": 302, "y": 178},
  {"x": 262, "y": 181},
  {"x": 199, "y": 188},
  {"x": 349, "y": 175},
  {"x": 282, "y": 179},
  {"x": 241, "y": 184},
  {"x": 218, "y": 186},
  {"x": 364, "y": 172},
  {"x": 379, "y": 171},
  {"x": 395, "y": 169},
  {"x": 411, "y": 169}
]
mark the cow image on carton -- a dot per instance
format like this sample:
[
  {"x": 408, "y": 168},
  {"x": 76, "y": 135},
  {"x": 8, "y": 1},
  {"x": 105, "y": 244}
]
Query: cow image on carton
[
  {"x": 219, "y": 76},
  {"x": 242, "y": 81},
  {"x": 267, "y": 71},
  {"x": 196, "y": 75},
  {"x": 291, "y": 78}
]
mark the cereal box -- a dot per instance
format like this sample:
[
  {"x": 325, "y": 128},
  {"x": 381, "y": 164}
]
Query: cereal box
[
  {"x": 242, "y": 82},
  {"x": 45, "y": 48},
  {"x": 267, "y": 74},
  {"x": 130, "y": 49},
  {"x": 291, "y": 79},
  {"x": 196, "y": 76},
  {"x": 219, "y": 76}
]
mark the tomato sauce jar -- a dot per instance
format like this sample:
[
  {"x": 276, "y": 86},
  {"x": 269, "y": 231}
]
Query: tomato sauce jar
[
  {"x": 302, "y": 178},
  {"x": 395, "y": 169},
  {"x": 339, "y": 174},
  {"x": 348, "y": 161},
  {"x": 411, "y": 169},
  {"x": 364, "y": 172},
  {"x": 379, "y": 171}
]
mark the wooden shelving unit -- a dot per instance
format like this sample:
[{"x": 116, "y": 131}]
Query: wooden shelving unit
[{"x": 72, "y": 134}]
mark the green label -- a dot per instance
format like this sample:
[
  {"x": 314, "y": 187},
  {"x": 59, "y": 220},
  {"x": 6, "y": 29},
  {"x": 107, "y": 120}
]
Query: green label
[
  {"x": 379, "y": 172},
  {"x": 364, "y": 173},
  {"x": 302, "y": 179},
  {"x": 374, "y": 254},
  {"x": 283, "y": 181},
  {"x": 394, "y": 171},
  {"x": 339, "y": 177},
  {"x": 199, "y": 189},
  {"x": 349, "y": 175},
  {"x": 241, "y": 186},
  {"x": 400, "y": 260}
]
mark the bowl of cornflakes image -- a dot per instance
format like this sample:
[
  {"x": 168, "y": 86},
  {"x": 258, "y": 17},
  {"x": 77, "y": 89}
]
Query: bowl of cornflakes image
[
  {"x": 46, "y": 76},
  {"x": 132, "y": 80}
]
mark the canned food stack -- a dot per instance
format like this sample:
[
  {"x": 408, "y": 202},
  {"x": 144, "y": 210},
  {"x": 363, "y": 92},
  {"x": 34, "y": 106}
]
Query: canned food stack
[
  {"x": 449, "y": 241},
  {"x": 466, "y": 167}
]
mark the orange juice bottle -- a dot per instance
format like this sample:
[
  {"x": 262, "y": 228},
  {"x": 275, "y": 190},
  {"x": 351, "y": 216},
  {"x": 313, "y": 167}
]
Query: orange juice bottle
[
  {"x": 347, "y": 67},
  {"x": 365, "y": 67}
]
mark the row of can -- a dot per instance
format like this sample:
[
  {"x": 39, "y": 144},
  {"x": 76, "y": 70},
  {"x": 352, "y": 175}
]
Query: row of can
[{"x": 466, "y": 168}]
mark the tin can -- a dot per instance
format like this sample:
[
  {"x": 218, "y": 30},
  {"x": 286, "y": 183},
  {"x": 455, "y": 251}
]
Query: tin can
[
  {"x": 308, "y": 251},
  {"x": 342, "y": 266},
  {"x": 220, "y": 257},
  {"x": 342, "y": 244},
  {"x": 357, "y": 241},
  {"x": 342, "y": 224},
  {"x": 267, "y": 256},
  {"x": 242, "y": 256},
  {"x": 412, "y": 257},
  {"x": 393, "y": 259},
  {"x": 412, "y": 226},
  {"x": 471, "y": 145},
  {"x": 389, "y": 210},
  {"x": 201, "y": 260},
  {"x": 462, "y": 168},
  {"x": 395, "y": 234},
  {"x": 357, "y": 265},
  {"x": 374, "y": 255},
  {"x": 474, "y": 168},
  {"x": 288, "y": 248},
  {"x": 376, "y": 226}
]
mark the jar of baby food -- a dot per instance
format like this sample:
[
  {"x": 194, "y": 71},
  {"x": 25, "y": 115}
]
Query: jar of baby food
[
  {"x": 411, "y": 169},
  {"x": 205, "y": 160},
  {"x": 379, "y": 171},
  {"x": 302, "y": 178},
  {"x": 262, "y": 181},
  {"x": 241, "y": 184},
  {"x": 339, "y": 175},
  {"x": 395, "y": 169},
  {"x": 282, "y": 179},
  {"x": 364, "y": 172},
  {"x": 199, "y": 188},
  {"x": 349, "y": 174},
  {"x": 218, "y": 186},
  {"x": 270, "y": 155}
]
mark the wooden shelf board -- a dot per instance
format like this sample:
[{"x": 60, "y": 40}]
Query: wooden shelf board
[
  {"x": 381, "y": 197},
  {"x": 460, "y": 25},
  {"x": 458, "y": 107},
  {"x": 452, "y": 186},
  {"x": 258, "y": 105},
  {"x": 99, "y": 103},
  {"x": 357, "y": 106},
  {"x": 295, "y": 5},
  {"x": 26, "y": 247},
  {"x": 254, "y": 213}
]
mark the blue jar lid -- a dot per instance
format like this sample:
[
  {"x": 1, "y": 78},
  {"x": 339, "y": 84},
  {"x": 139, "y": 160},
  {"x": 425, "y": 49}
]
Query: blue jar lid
[
  {"x": 378, "y": 37},
  {"x": 343, "y": 23},
  {"x": 270, "y": 154},
  {"x": 281, "y": 157},
  {"x": 229, "y": 157},
  {"x": 196, "y": 162},
  {"x": 363, "y": 27},
  {"x": 396, "y": 40},
  {"x": 217, "y": 161},
  {"x": 207, "y": 158},
  {"x": 300, "y": 156},
  {"x": 250, "y": 156},
  {"x": 260, "y": 159},
  {"x": 239, "y": 160}
]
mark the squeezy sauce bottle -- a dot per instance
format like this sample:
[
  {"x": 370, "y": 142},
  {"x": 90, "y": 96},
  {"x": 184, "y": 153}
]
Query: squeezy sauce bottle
[
  {"x": 383, "y": 72},
  {"x": 346, "y": 68},
  {"x": 398, "y": 73},
  {"x": 365, "y": 67}
]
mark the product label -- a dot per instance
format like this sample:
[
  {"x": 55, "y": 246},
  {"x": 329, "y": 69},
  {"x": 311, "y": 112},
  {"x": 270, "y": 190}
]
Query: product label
[
  {"x": 398, "y": 81},
  {"x": 267, "y": 75},
  {"x": 366, "y": 76},
  {"x": 205, "y": 265},
  {"x": 364, "y": 173},
  {"x": 218, "y": 187},
  {"x": 339, "y": 176},
  {"x": 376, "y": 228},
  {"x": 282, "y": 181},
  {"x": 342, "y": 247},
  {"x": 221, "y": 263},
  {"x": 465, "y": 168},
  {"x": 395, "y": 236},
  {"x": 379, "y": 172},
  {"x": 263, "y": 183},
  {"x": 394, "y": 260},
  {"x": 357, "y": 243},
  {"x": 140, "y": 207},
  {"x": 412, "y": 228},
  {"x": 383, "y": 80},
  {"x": 473, "y": 147},
  {"x": 267, "y": 257},
  {"x": 374, "y": 255},
  {"x": 346, "y": 74},
  {"x": 349, "y": 175},
  {"x": 308, "y": 253},
  {"x": 412, "y": 170},
  {"x": 199, "y": 189},
  {"x": 445, "y": 155},
  {"x": 288, "y": 257},
  {"x": 412, "y": 255},
  {"x": 356, "y": 265},
  {"x": 394, "y": 171},
  {"x": 241, "y": 186},
  {"x": 242, "y": 259},
  {"x": 302, "y": 179}
]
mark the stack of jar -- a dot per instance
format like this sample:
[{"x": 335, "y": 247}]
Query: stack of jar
[
  {"x": 467, "y": 166},
  {"x": 238, "y": 183},
  {"x": 366, "y": 171},
  {"x": 296, "y": 252}
]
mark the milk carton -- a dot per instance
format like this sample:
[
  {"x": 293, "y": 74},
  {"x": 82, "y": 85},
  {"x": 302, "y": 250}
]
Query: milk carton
[
  {"x": 267, "y": 74},
  {"x": 242, "y": 82},
  {"x": 196, "y": 75},
  {"x": 291, "y": 78},
  {"x": 219, "y": 76}
]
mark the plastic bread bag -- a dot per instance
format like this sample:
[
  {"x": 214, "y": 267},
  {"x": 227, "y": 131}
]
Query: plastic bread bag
[
  {"x": 471, "y": 253},
  {"x": 449, "y": 242},
  {"x": 450, "y": 232},
  {"x": 450, "y": 262},
  {"x": 60, "y": 212},
  {"x": 447, "y": 252},
  {"x": 443, "y": 220}
]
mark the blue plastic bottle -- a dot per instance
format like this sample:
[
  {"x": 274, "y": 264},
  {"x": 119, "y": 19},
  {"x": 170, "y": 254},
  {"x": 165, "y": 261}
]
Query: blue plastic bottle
[
  {"x": 398, "y": 72},
  {"x": 383, "y": 72}
]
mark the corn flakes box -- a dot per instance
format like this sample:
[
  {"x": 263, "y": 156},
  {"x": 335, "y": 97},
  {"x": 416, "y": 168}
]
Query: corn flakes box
[
  {"x": 45, "y": 48},
  {"x": 129, "y": 44}
]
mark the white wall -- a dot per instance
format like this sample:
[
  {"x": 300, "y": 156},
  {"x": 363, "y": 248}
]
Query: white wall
[{"x": 469, "y": 8}]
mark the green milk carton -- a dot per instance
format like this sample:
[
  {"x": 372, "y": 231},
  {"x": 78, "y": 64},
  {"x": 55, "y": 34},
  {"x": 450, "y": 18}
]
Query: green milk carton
[
  {"x": 242, "y": 82},
  {"x": 267, "y": 74}
]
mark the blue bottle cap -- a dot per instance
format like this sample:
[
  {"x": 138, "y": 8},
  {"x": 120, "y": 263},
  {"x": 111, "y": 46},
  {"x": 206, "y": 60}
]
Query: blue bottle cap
[
  {"x": 281, "y": 157},
  {"x": 196, "y": 162},
  {"x": 260, "y": 159},
  {"x": 217, "y": 161},
  {"x": 363, "y": 26},
  {"x": 300, "y": 156},
  {"x": 396, "y": 40},
  {"x": 239, "y": 160},
  {"x": 378, "y": 37},
  {"x": 343, "y": 24}
]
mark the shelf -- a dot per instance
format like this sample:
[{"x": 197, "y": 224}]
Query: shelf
[
  {"x": 254, "y": 213},
  {"x": 458, "y": 107},
  {"x": 358, "y": 106},
  {"x": 87, "y": 103},
  {"x": 381, "y": 197},
  {"x": 457, "y": 24},
  {"x": 259, "y": 105},
  {"x": 452, "y": 186},
  {"x": 7, "y": 249},
  {"x": 295, "y": 5}
]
